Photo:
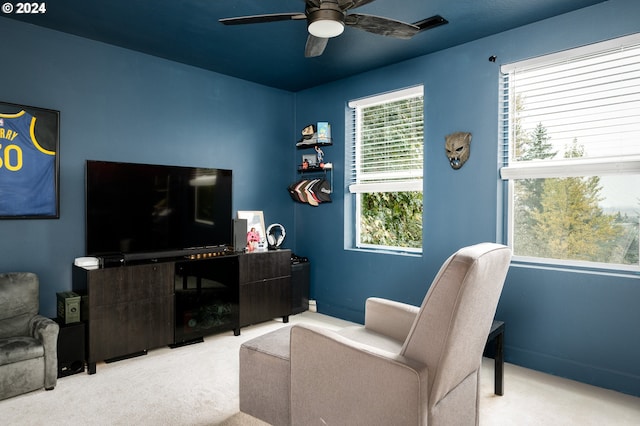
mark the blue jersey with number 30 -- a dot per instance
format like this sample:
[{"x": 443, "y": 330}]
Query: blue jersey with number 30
[{"x": 27, "y": 171}]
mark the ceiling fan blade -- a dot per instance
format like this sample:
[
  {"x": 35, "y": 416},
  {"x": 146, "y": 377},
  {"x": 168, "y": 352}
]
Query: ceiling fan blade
[
  {"x": 257, "y": 19},
  {"x": 313, "y": 3},
  {"x": 352, "y": 4},
  {"x": 382, "y": 26},
  {"x": 315, "y": 46}
]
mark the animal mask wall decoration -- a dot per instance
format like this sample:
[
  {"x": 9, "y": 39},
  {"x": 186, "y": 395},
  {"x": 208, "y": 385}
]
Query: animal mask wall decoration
[{"x": 458, "y": 148}]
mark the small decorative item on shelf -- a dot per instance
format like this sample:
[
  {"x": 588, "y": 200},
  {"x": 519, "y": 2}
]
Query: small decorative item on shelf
[
  {"x": 324, "y": 132},
  {"x": 320, "y": 156},
  {"x": 310, "y": 160},
  {"x": 313, "y": 135}
]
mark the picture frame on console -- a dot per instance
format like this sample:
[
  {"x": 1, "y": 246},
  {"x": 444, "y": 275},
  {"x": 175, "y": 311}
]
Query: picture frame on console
[
  {"x": 30, "y": 143},
  {"x": 256, "y": 235}
]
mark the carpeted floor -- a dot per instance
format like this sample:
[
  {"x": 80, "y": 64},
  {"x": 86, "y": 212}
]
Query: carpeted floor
[{"x": 198, "y": 385}]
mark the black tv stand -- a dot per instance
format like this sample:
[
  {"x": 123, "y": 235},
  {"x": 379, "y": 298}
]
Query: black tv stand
[{"x": 130, "y": 309}]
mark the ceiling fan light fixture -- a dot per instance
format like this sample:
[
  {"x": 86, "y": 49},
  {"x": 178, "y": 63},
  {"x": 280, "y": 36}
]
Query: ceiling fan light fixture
[
  {"x": 326, "y": 28},
  {"x": 327, "y": 22}
]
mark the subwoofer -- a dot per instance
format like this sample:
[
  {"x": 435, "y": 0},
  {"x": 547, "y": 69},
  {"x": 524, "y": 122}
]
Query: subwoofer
[{"x": 71, "y": 345}]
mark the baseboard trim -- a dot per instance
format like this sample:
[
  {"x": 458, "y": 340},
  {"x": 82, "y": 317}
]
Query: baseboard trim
[{"x": 574, "y": 370}]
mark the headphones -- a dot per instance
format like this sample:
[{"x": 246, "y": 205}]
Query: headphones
[{"x": 271, "y": 236}]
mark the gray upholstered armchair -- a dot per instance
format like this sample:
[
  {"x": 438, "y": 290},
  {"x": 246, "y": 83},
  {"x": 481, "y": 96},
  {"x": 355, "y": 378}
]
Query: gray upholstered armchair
[
  {"x": 407, "y": 365},
  {"x": 28, "y": 341}
]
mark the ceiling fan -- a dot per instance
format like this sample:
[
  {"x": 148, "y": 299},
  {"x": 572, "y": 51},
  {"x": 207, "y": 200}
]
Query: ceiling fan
[{"x": 327, "y": 19}]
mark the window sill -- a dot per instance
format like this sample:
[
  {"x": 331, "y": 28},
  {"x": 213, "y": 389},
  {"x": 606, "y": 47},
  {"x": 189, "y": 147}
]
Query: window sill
[
  {"x": 576, "y": 266},
  {"x": 385, "y": 252}
]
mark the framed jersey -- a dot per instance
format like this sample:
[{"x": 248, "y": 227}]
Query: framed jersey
[{"x": 29, "y": 162}]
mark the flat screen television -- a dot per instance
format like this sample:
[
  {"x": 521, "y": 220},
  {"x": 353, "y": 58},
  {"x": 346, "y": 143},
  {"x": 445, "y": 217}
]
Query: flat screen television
[{"x": 145, "y": 209}]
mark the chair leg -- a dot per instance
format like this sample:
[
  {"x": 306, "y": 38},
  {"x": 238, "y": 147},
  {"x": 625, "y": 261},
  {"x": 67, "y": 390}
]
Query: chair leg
[
  {"x": 497, "y": 334},
  {"x": 499, "y": 365}
]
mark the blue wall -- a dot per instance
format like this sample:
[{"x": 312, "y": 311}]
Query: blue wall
[
  {"x": 584, "y": 326},
  {"x": 120, "y": 105}
]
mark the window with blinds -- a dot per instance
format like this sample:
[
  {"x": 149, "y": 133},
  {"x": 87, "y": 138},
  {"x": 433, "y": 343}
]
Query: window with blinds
[
  {"x": 386, "y": 157},
  {"x": 570, "y": 145}
]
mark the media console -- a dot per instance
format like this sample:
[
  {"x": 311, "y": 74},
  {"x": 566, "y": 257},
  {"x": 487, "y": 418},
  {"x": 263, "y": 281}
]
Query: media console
[{"x": 160, "y": 301}]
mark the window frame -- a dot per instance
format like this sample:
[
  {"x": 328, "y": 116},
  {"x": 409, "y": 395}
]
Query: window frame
[
  {"x": 410, "y": 182},
  {"x": 511, "y": 171}
]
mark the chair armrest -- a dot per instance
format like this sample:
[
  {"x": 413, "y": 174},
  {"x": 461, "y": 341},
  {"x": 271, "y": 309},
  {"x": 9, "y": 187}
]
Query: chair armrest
[
  {"x": 390, "y": 318},
  {"x": 46, "y": 331},
  {"x": 339, "y": 381}
]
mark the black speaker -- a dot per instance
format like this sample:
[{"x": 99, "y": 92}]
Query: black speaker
[
  {"x": 239, "y": 234},
  {"x": 300, "y": 287},
  {"x": 70, "y": 349}
]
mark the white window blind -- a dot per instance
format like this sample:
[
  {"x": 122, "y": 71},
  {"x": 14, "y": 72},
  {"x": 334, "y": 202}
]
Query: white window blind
[
  {"x": 386, "y": 153},
  {"x": 588, "y": 96},
  {"x": 570, "y": 154}
]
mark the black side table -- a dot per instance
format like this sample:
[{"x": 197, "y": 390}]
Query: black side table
[
  {"x": 497, "y": 334},
  {"x": 70, "y": 348}
]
